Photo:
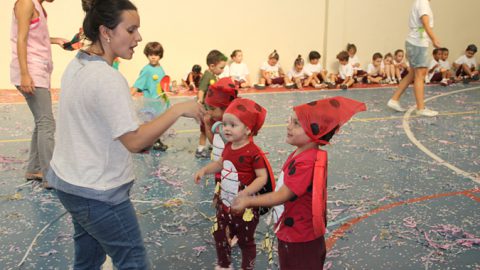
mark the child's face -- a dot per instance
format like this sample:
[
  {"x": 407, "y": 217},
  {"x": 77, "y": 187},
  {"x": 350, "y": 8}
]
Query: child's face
[
  {"x": 343, "y": 62},
  {"x": 272, "y": 61},
  {"x": 314, "y": 61},
  {"x": 218, "y": 68},
  {"x": 444, "y": 55},
  {"x": 295, "y": 134},
  {"x": 469, "y": 54},
  {"x": 153, "y": 59},
  {"x": 298, "y": 67},
  {"x": 238, "y": 57},
  {"x": 437, "y": 55},
  {"x": 388, "y": 60},
  {"x": 233, "y": 129},
  {"x": 377, "y": 62},
  {"x": 352, "y": 52},
  {"x": 215, "y": 112},
  {"x": 399, "y": 57}
]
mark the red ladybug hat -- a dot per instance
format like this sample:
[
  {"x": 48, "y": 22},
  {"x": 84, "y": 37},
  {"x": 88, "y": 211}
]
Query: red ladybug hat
[
  {"x": 320, "y": 117},
  {"x": 221, "y": 93},
  {"x": 249, "y": 112}
]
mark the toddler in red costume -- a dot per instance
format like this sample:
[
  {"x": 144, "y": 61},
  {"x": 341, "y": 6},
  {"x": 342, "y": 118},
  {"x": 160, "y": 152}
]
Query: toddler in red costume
[
  {"x": 301, "y": 193},
  {"x": 244, "y": 171}
]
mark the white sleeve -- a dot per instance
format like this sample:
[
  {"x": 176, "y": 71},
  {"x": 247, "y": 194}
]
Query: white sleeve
[
  {"x": 371, "y": 69},
  {"x": 423, "y": 8},
  {"x": 460, "y": 60},
  {"x": 432, "y": 64}
]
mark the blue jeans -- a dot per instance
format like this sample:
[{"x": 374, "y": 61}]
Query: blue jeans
[
  {"x": 102, "y": 228},
  {"x": 417, "y": 56}
]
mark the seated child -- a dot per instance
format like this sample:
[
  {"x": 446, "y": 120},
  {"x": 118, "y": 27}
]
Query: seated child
[
  {"x": 238, "y": 70},
  {"x": 434, "y": 74},
  {"x": 155, "y": 102},
  {"x": 191, "y": 80},
  {"x": 317, "y": 75},
  {"x": 401, "y": 66},
  {"x": 297, "y": 74},
  {"x": 272, "y": 74},
  {"x": 344, "y": 77},
  {"x": 466, "y": 65},
  {"x": 389, "y": 68},
  {"x": 358, "y": 72},
  {"x": 300, "y": 196},
  {"x": 375, "y": 71},
  {"x": 446, "y": 67},
  {"x": 244, "y": 171}
]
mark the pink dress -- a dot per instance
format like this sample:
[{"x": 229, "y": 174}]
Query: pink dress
[{"x": 39, "y": 55}]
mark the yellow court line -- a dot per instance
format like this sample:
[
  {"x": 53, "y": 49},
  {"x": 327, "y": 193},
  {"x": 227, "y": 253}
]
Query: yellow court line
[{"x": 373, "y": 119}]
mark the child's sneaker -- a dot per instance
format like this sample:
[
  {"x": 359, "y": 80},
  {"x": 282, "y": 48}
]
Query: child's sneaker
[
  {"x": 202, "y": 154},
  {"x": 475, "y": 77},
  {"x": 392, "y": 81},
  {"x": 330, "y": 85},
  {"x": 159, "y": 146},
  {"x": 395, "y": 105},
  {"x": 259, "y": 86},
  {"x": 289, "y": 85},
  {"x": 320, "y": 85},
  {"x": 444, "y": 82},
  {"x": 343, "y": 86},
  {"x": 426, "y": 112}
]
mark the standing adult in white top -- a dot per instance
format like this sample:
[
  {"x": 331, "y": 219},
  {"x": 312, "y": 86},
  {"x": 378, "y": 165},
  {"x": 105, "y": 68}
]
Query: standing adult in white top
[{"x": 421, "y": 33}]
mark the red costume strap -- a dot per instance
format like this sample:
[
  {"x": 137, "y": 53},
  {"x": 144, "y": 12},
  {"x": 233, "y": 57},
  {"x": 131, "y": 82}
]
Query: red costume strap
[
  {"x": 319, "y": 196},
  {"x": 270, "y": 186}
]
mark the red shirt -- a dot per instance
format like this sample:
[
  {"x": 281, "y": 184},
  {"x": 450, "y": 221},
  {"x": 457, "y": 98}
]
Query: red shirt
[
  {"x": 239, "y": 167},
  {"x": 296, "y": 223}
]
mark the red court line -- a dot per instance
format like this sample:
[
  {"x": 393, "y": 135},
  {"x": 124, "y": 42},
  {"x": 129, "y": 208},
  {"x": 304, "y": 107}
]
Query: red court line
[{"x": 340, "y": 232}]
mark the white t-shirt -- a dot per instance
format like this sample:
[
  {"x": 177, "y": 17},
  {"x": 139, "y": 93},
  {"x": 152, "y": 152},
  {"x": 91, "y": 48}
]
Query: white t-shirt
[
  {"x": 239, "y": 71},
  {"x": 95, "y": 109},
  {"x": 398, "y": 64},
  {"x": 374, "y": 71},
  {"x": 445, "y": 64},
  {"x": 417, "y": 35},
  {"x": 353, "y": 61},
  {"x": 225, "y": 73},
  {"x": 297, "y": 74},
  {"x": 345, "y": 71},
  {"x": 274, "y": 71},
  {"x": 311, "y": 68},
  {"x": 465, "y": 60}
]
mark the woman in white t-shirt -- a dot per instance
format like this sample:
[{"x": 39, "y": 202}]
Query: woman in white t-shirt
[
  {"x": 271, "y": 73},
  {"x": 466, "y": 65},
  {"x": 238, "y": 70},
  {"x": 97, "y": 130},
  {"x": 419, "y": 37}
]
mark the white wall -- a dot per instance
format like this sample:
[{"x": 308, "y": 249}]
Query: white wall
[{"x": 189, "y": 29}]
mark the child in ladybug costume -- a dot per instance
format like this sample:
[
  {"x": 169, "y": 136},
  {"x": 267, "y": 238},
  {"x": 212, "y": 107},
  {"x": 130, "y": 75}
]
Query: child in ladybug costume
[{"x": 300, "y": 197}]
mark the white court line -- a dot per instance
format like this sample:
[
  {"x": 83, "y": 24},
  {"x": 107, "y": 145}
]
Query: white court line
[{"x": 411, "y": 136}]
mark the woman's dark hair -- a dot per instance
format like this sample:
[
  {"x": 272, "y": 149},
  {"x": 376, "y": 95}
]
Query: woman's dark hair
[
  {"x": 103, "y": 12},
  {"x": 299, "y": 60}
]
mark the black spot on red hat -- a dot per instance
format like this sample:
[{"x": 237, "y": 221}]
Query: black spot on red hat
[
  {"x": 232, "y": 98},
  {"x": 315, "y": 128},
  {"x": 294, "y": 198},
  {"x": 313, "y": 103},
  {"x": 231, "y": 85},
  {"x": 289, "y": 222},
  {"x": 241, "y": 108},
  {"x": 291, "y": 164},
  {"x": 334, "y": 103},
  {"x": 210, "y": 92},
  {"x": 258, "y": 108},
  {"x": 292, "y": 171},
  {"x": 241, "y": 159}
]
